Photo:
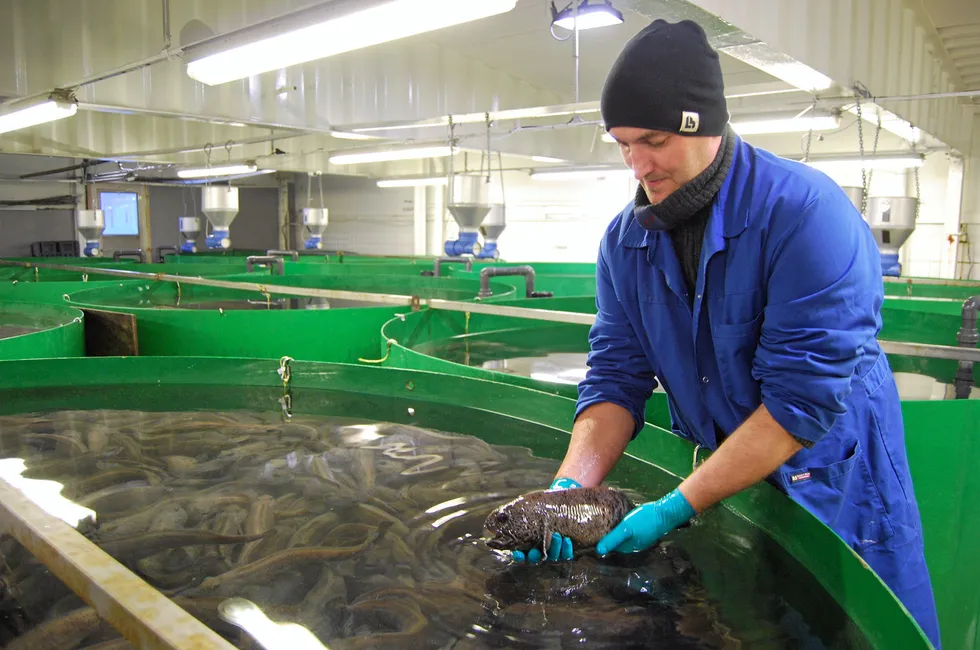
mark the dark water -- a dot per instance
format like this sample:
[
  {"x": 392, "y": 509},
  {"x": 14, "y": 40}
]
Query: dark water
[
  {"x": 8, "y": 331},
  {"x": 371, "y": 538}
]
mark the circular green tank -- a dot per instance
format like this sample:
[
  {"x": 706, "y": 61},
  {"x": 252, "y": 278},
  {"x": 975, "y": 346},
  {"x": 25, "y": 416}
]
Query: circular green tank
[
  {"x": 35, "y": 331},
  {"x": 756, "y": 554}
]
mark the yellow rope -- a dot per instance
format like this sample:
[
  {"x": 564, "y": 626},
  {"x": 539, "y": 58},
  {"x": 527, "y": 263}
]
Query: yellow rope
[{"x": 382, "y": 359}]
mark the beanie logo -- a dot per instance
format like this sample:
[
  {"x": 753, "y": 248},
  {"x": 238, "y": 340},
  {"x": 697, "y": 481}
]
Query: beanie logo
[{"x": 689, "y": 122}]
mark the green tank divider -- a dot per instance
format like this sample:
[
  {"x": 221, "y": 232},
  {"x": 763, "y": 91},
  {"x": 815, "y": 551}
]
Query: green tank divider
[
  {"x": 50, "y": 293},
  {"x": 944, "y": 452},
  {"x": 498, "y": 413},
  {"x": 401, "y": 285},
  {"x": 34, "y": 274},
  {"x": 431, "y": 328},
  {"x": 341, "y": 335},
  {"x": 931, "y": 288},
  {"x": 922, "y": 320},
  {"x": 35, "y": 331}
]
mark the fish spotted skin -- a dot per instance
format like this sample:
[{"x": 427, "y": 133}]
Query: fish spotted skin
[{"x": 585, "y": 515}]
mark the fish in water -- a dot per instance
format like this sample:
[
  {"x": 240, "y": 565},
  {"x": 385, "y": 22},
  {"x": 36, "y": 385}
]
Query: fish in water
[{"x": 585, "y": 515}]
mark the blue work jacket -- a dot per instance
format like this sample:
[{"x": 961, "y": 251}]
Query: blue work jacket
[{"x": 785, "y": 313}]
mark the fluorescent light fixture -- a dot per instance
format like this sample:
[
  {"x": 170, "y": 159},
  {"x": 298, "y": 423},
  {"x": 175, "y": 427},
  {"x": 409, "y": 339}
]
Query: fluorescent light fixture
[
  {"x": 800, "y": 75},
  {"x": 390, "y": 155},
  {"x": 383, "y": 23},
  {"x": 885, "y": 162},
  {"x": 220, "y": 170},
  {"x": 47, "y": 111},
  {"x": 530, "y": 112},
  {"x": 786, "y": 125},
  {"x": 546, "y": 159},
  {"x": 782, "y": 66},
  {"x": 583, "y": 173},
  {"x": 590, "y": 16},
  {"x": 413, "y": 182},
  {"x": 347, "y": 135}
]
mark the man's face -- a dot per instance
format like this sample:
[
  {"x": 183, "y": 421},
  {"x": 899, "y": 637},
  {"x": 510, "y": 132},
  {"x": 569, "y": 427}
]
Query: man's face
[{"x": 664, "y": 161}]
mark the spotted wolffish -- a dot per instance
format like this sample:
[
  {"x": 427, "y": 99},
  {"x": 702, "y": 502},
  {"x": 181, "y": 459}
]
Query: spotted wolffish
[{"x": 585, "y": 515}]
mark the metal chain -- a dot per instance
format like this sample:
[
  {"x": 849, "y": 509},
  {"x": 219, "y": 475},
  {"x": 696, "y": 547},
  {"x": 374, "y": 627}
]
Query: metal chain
[
  {"x": 452, "y": 146},
  {"x": 809, "y": 135},
  {"x": 489, "y": 155},
  {"x": 915, "y": 175},
  {"x": 864, "y": 173},
  {"x": 319, "y": 184},
  {"x": 874, "y": 154},
  {"x": 207, "y": 164}
]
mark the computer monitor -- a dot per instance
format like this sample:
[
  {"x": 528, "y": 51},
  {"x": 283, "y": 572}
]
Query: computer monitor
[{"x": 121, "y": 211}]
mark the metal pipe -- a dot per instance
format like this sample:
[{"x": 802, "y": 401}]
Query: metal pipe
[
  {"x": 136, "y": 252},
  {"x": 437, "y": 264},
  {"x": 275, "y": 262},
  {"x": 169, "y": 249},
  {"x": 494, "y": 271},
  {"x": 283, "y": 253},
  {"x": 967, "y": 337}
]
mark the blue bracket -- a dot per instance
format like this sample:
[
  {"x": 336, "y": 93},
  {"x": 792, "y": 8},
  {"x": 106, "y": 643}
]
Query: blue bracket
[
  {"x": 91, "y": 249},
  {"x": 462, "y": 246},
  {"x": 218, "y": 239},
  {"x": 314, "y": 243},
  {"x": 890, "y": 265},
  {"x": 189, "y": 246}
]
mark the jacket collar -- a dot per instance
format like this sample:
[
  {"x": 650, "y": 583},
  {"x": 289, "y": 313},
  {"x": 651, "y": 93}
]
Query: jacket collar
[{"x": 727, "y": 219}]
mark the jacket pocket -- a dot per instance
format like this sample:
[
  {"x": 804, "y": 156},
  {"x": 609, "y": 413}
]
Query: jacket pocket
[
  {"x": 842, "y": 495},
  {"x": 735, "y": 346}
]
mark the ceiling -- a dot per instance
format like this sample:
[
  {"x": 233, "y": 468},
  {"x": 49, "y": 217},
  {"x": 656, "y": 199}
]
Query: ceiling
[
  {"x": 957, "y": 23},
  {"x": 139, "y": 104}
]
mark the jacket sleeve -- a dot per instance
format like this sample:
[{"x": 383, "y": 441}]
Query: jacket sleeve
[
  {"x": 619, "y": 371},
  {"x": 824, "y": 294}
]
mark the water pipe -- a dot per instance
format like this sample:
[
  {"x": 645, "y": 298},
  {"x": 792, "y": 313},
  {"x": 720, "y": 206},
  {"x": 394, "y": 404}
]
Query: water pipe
[
  {"x": 525, "y": 270},
  {"x": 967, "y": 337}
]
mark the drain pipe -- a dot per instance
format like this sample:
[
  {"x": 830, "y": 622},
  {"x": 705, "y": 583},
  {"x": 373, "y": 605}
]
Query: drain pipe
[
  {"x": 275, "y": 263},
  {"x": 492, "y": 271},
  {"x": 967, "y": 337},
  {"x": 136, "y": 252},
  {"x": 437, "y": 265},
  {"x": 294, "y": 255}
]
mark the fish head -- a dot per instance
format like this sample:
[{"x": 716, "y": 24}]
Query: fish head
[{"x": 510, "y": 527}]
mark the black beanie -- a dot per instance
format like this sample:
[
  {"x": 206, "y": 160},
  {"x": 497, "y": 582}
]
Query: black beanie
[{"x": 667, "y": 78}]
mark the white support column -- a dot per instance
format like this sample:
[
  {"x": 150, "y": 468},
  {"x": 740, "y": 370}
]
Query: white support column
[
  {"x": 951, "y": 213},
  {"x": 282, "y": 214},
  {"x": 419, "y": 207},
  {"x": 435, "y": 216}
]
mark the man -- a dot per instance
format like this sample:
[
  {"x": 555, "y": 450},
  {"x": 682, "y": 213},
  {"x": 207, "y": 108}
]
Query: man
[{"x": 750, "y": 287}]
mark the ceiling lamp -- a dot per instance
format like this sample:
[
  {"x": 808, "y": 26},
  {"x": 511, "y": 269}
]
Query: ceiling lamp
[
  {"x": 413, "y": 182},
  {"x": 382, "y": 23},
  {"x": 786, "y": 125},
  {"x": 54, "y": 108},
  {"x": 218, "y": 170},
  {"x": 390, "y": 155},
  {"x": 582, "y": 173},
  {"x": 590, "y": 16}
]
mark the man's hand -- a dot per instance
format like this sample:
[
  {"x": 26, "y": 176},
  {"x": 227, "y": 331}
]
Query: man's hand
[
  {"x": 646, "y": 524},
  {"x": 559, "y": 547}
]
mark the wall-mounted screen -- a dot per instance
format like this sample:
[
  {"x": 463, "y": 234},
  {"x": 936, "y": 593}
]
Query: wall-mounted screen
[{"x": 121, "y": 211}]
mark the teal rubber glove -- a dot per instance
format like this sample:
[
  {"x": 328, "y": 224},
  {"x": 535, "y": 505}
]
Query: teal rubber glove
[
  {"x": 645, "y": 524},
  {"x": 559, "y": 547}
]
